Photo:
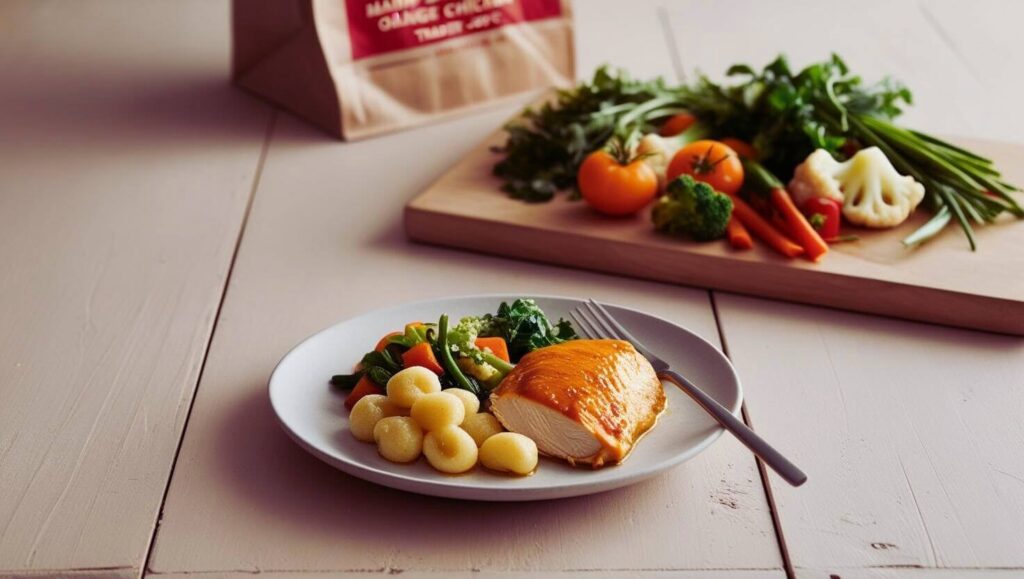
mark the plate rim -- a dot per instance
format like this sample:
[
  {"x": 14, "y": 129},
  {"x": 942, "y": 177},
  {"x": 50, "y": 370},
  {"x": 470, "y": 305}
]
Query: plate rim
[{"x": 462, "y": 492}]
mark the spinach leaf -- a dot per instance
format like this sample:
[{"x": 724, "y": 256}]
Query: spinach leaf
[
  {"x": 378, "y": 366},
  {"x": 525, "y": 328}
]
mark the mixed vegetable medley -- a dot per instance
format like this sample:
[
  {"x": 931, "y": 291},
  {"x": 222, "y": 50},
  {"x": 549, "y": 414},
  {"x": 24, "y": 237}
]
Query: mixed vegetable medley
[
  {"x": 473, "y": 355},
  {"x": 420, "y": 391},
  {"x": 713, "y": 158}
]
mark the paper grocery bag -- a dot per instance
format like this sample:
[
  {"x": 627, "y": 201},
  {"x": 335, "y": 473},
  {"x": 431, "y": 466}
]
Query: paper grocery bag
[{"x": 362, "y": 67}]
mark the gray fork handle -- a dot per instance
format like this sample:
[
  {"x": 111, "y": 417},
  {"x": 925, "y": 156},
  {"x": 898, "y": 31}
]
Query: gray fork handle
[{"x": 780, "y": 464}]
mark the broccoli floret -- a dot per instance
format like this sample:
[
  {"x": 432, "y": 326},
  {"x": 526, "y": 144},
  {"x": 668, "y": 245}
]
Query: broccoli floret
[
  {"x": 462, "y": 340},
  {"x": 692, "y": 208},
  {"x": 462, "y": 336}
]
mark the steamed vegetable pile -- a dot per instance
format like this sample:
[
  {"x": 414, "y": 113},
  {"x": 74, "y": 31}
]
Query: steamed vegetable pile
[
  {"x": 419, "y": 391},
  {"x": 622, "y": 144}
]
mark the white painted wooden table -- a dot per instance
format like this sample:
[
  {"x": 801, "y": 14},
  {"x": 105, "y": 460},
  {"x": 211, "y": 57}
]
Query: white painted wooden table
[{"x": 164, "y": 239}]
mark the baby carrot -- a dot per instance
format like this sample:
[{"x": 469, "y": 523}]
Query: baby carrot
[
  {"x": 761, "y": 228},
  {"x": 814, "y": 246},
  {"x": 739, "y": 237}
]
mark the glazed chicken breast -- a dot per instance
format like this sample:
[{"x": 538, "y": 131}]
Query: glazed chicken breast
[{"x": 584, "y": 401}]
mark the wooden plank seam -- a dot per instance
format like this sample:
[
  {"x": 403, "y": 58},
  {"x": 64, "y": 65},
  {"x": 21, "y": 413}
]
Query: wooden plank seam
[{"x": 268, "y": 134}]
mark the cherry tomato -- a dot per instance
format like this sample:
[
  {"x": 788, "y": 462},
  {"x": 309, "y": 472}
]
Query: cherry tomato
[
  {"x": 744, "y": 149},
  {"x": 616, "y": 188},
  {"x": 711, "y": 162},
  {"x": 824, "y": 215},
  {"x": 677, "y": 124}
]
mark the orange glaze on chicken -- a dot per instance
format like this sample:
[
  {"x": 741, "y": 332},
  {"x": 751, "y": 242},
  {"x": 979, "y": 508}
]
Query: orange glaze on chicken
[{"x": 585, "y": 401}]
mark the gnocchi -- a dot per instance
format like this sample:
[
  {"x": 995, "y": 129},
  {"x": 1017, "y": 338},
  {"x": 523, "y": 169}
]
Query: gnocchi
[
  {"x": 437, "y": 410},
  {"x": 450, "y": 449},
  {"x": 481, "y": 426},
  {"x": 469, "y": 400},
  {"x": 398, "y": 438},
  {"x": 509, "y": 452},
  {"x": 367, "y": 413},
  {"x": 408, "y": 385}
]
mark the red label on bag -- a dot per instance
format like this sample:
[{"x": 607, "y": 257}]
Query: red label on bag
[{"x": 380, "y": 26}]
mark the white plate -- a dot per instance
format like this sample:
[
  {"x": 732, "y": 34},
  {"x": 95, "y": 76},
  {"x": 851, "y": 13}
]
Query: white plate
[{"x": 316, "y": 418}]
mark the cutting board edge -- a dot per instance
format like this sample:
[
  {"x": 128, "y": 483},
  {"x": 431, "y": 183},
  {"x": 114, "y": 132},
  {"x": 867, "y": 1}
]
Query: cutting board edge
[{"x": 891, "y": 299}]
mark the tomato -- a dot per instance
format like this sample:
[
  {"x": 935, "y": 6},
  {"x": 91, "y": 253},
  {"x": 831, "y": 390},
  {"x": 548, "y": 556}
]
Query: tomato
[
  {"x": 614, "y": 187},
  {"x": 711, "y": 162},
  {"x": 824, "y": 215},
  {"x": 744, "y": 149},
  {"x": 677, "y": 124}
]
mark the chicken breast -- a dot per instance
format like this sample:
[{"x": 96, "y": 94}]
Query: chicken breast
[{"x": 585, "y": 401}]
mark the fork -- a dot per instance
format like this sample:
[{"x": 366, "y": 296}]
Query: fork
[{"x": 596, "y": 322}]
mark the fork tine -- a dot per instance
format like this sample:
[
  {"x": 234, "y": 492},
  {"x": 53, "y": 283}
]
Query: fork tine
[
  {"x": 583, "y": 324},
  {"x": 609, "y": 320},
  {"x": 597, "y": 332},
  {"x": 602, "y": 322}
]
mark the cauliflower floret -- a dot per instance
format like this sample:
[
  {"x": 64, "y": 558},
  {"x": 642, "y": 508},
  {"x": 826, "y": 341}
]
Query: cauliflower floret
[
  {"x": 872, "y": 192},
  {"x": 815, "y": 177},
  {"x": 657, "y": 152}
]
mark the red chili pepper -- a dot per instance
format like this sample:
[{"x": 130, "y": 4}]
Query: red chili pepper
[{"x": 824, "y": 215}]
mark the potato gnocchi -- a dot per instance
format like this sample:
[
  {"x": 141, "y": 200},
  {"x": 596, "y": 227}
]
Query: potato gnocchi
[
  {"x": 367, "y": 413},
  {"x": 405, "y": 387},
  {"x": 438, "y": 410},
  {"x": 509, "y": 452},
  {"x": 398, "y": 438},
  {"x": 481, "y": 426},
  {"x": 450, "y": 449},
  {"x": 469, "y": 400},
  {"x": 416, "y": 418}
]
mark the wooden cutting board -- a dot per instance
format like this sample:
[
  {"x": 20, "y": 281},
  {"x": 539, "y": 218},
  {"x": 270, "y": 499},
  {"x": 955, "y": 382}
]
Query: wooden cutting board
[{"x": 941, "y": 282}]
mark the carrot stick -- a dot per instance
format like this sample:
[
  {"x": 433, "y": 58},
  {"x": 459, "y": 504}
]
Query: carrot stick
[
  {"x": 814, "y": 246},
  {"x": 739, "y": 237},
  {"x": 764, "y": 230}
]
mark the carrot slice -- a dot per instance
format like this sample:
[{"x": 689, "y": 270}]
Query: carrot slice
[
  {"x": 764, "y": 230},
  {"x": 383, "y": 343},
  {"x": 422, "y": 355},
  {"x": 364, "y": 387},
  {"x": 496, "y": 345},
  {"x": 739, "y": 237},
  {"x": 797, "y": 225}
]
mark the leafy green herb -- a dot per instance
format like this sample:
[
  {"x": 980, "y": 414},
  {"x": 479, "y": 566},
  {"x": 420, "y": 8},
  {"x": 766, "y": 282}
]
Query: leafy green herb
[
  {"x": 546, "y": 145},
  {"x": 786, "y": 115},
  {"x": 378, "y": 366},
  {"x": 525, "y": 328}
]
